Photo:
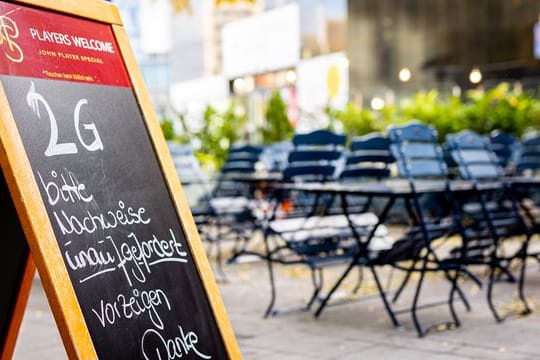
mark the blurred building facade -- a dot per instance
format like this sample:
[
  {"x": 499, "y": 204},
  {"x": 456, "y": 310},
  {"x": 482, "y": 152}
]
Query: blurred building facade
[
  {"x": 440, "y": 42},
  {"x": 178, "y": 47},
  {"x": 333, "y": 51}
]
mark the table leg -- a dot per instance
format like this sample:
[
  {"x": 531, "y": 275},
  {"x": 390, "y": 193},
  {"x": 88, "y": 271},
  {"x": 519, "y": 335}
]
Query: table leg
[{"x": 362, "y": 247}]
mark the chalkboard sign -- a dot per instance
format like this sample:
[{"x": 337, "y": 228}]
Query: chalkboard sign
[{"x": 101, "y": 207}]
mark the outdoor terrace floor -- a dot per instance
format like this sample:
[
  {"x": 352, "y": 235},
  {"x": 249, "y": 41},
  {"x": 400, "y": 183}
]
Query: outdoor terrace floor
[{"x": 357, "y": 330}]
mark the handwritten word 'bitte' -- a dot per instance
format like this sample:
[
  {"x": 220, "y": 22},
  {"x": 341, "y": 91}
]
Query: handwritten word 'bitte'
[{"x": 68, "y": 189}]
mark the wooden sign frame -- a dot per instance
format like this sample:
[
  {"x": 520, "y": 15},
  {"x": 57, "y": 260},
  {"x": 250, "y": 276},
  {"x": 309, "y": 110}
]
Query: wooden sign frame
[
  {"x": 37, "y": 225},
  {"x": 18, "y": 310}
]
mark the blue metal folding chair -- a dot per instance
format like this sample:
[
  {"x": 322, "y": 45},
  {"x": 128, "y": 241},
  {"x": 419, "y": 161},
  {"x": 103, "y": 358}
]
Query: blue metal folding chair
[
  {"x": 223, "y": 211},
  {"x": 504, "y": 146},
  {"x": 419, "y": 157},
  {"x": 304, "y": 232},
  {"x": 528, "y": 157},
  {"x": 495, "y": 213},
  {"x": 241, "y": 161}
]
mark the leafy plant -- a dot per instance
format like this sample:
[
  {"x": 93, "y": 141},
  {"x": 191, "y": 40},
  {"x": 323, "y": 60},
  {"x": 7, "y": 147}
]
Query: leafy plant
[
  {"x": 354, "y": 120},
  {"x": 217, "y": 133},
  {"x": 447, "y": 116},
  {"x": 482, "y": 111},
  {"x": 167, "y": 126},
  {"x": 277, "y": 126}
]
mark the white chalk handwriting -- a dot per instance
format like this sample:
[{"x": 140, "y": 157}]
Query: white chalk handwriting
[
  {"x": 155, "y": 346},
  {"x": 131, "y": 306},
  {"x": 34, "y": 99}
]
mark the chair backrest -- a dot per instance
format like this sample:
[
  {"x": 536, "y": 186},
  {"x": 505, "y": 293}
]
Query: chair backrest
[
  {"x": 274, "y": 156},
  {"x": 242, "y": 159},
  {"x": 416, "y": 151},
  {"x": 186, "y": 164},
  {"x": 369, "y": 157},
  {"x": 528, "y": 159},
  {"x": 474, "y": 157},
  {"x": 315, "y": 156},
  {"x": 503, "y": 146}
]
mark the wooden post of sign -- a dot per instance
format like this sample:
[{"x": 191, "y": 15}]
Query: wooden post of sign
[
  {"x": 144, "y": 201},
  {"x": 18, "y": 310},
  {"x": 16, "y": 273}
]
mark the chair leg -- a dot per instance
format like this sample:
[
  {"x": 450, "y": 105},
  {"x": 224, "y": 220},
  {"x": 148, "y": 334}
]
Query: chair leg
[
  {"x": 270, "y": 308},
  {"x": 473, "y": 277},
  {"x": 521, "y": 283},
  {"x": 359, "y": 281},
  {"x": 387, "y": 306},
  {"x": 457, "y": 288},
  {"x": 415, "y": 302},
  {"x": 403, "y": 283},
  {"x": 509, "y": 276},
  {"x": 240, "y": 247},
  {"x": 490, "y": 294},
  {"x": 389, "y": 279},
  {"x": 219, "y": 260},
  {"x": 451, "y": 297},
  {"x": 317, "y": 284},
  {"x": 334, "y": 288}
]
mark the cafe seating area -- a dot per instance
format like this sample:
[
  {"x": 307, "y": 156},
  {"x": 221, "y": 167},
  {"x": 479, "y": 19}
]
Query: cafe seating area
[{"x": 464, "y": 211}]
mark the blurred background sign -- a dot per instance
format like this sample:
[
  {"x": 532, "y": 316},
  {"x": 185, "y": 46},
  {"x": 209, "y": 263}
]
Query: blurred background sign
[
  {"x": 323, "y": 81},
  {"x": 264, "y": 42},
  {"x": 198, "y": 92},
  {"x": 156, "y": 36}
]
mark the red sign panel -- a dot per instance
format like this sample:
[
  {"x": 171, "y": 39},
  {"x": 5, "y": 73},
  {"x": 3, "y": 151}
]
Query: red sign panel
[{"x": 47, "y": 45}]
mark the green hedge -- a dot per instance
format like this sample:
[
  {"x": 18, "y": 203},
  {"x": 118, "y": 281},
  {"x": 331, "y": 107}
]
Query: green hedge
[{"x": 481, "y": 111}]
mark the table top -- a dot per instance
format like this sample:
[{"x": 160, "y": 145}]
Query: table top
[
  {"x": 390, "y": 187},
  {"x": 255, "y": 177},
  {"x": 401, "y": 187}
]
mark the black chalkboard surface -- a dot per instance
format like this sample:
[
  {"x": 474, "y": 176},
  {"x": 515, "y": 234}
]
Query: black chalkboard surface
[
  {"x": 119, "y": 234},
  {"x": 13, "y": 257},
  {"x": 96, "y": 192}
]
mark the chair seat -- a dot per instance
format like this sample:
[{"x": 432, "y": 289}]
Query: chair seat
[
  {"x": 201, "y": 210},
  {"x": 316, "y": 228},
  {"x": 330, "y": 260},
  {"x": 229, "y": 205},
  {"x": 321, "y": 222}
]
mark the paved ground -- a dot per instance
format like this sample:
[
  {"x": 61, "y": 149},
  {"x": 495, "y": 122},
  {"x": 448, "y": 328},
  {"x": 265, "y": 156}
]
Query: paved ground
[{"x": 359, "y": 330}]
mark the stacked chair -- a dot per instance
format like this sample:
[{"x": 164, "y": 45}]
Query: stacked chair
[
  {"x": 494, "y": 213},
  {"x": 420, "y": 158},
  {"x": 233, "y": 203},
  {"x": 242, "y": 160},
  {"x": 369, "y": 160},
  {"x": 308, "y": 230},
  {"x": 528, "y": 165},
  {"x": 223, "y": 212},
  {"x": 528, "y": 158},
  {"x": 302, "y": 232},
  {"x": 463, "y": 222},
  {"x": 504, "y": 146},
  {"x": 197, "y": 185}
]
